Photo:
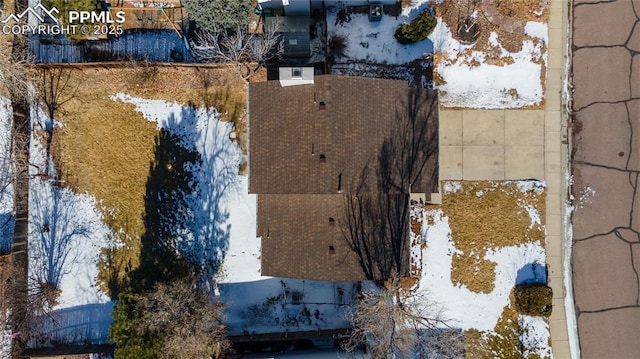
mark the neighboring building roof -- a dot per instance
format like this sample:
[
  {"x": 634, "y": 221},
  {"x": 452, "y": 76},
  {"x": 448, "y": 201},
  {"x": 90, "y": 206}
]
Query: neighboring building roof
[
  {"x": 309, "y": 146},
  {"x": 291, "y": 76},
  {"x": 294, "y": 31}
]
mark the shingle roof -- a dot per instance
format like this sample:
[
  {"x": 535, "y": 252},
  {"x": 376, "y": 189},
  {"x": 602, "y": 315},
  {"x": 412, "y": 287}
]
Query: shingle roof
[
  {"x": 288, "y": 132},
  {"x": 346, "y": 120},
  {"x": 297, "y": 237}
]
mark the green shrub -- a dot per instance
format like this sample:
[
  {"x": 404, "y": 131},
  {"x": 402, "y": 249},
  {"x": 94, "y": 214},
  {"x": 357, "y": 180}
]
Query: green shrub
[
  {"x": 534, "y": 299},
  {"x": 418, "y": 29}
]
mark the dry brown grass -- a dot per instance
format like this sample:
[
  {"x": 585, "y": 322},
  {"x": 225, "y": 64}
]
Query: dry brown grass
[
  {"x": 106, "y": 148},
  {"x": 5, "y": 276},
  {"x": 503, "y": 343},
  {"x": 487, "y": 215},
  {"x": 451, "y": 11}
]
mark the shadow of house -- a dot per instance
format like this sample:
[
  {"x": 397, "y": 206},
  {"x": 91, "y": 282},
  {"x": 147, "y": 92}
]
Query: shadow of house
[
  {"x": 333, "y": 164},
  {"x": 73, "y": 329}
]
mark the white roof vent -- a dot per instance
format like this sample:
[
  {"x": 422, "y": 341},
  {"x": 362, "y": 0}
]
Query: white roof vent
[{"x": 291, "y": 76}]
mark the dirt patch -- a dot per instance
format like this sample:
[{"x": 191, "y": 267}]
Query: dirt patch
[
  {"x": 492, "y": 18},
  {"x": 487, "y": 215},
  {"x": 524, "y": 10},
  {"x": 452, "y": 12},
  {"x": 106, "y": 148}
]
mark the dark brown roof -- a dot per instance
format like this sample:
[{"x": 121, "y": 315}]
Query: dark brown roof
[
  {"x": 309, "y": 146},
  {"x": 297, "y": 236},
  {"x": 288, "y": 132}
]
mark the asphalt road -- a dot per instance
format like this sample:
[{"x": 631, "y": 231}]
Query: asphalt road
[{"x": 606, "y": 166}]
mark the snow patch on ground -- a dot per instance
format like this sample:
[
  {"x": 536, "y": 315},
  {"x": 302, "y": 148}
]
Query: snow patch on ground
[
  {"x": 6, "y": 187},
  {"x": 469, "y": 81},
  {"x": 524, "y": 263},
  {"x": 452, "y": 186},
  {"x": 66, "y": 231},
  {"x": 373, "y": 41},
  {"x": 468, "y": 309},
  {"x": 536, "y": 336},
  {"x": 205, "y": 238},
  {"x": 255, "y": 303},
  {"x": 66, "y": 234},
  {"x": 538, "y": 30}
]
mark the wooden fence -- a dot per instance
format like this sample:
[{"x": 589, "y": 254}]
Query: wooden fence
[{"x": 141, "y": 45}]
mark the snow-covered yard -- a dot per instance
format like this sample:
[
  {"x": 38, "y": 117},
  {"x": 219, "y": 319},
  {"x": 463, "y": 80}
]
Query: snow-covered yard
[
  {"x": 371, "y": 49},
  {"x": 466, "y": 75},
  {"x": 255, "y": 304},
  {"x": 435, "y": 248},
  {"x": 67, "y": 232},
  {"x": 490, "y": 79}
]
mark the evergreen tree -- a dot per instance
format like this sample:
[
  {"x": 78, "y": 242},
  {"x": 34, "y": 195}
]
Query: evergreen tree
[
  {"x": 64, "y": 6},
  {"x": 418, "y": 29},
  {"x": 218, "y": 15}
]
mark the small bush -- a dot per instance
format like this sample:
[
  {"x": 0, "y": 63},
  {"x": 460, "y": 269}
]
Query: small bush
[
  {"x": 418, "y": 29},
  {"x": 534, "y": 299},
  {"x": 337, "y": 46}
]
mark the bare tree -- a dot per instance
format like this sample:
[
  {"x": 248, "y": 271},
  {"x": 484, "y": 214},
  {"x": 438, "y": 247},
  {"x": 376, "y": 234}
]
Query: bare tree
[
  {"x": 188, "y": 318},
  {"x": 57, "y": 226},
  {"x": 376, "y": 212},
  {"x": 55, "y": 89},
  {"x": 16, "y": 63},
  {"x": 15, "y": 66},
  {"x": 247, "y": 52},
  {"x": 397, "y": 323}
]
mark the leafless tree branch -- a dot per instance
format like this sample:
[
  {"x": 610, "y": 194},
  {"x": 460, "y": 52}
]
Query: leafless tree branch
[
  {"x": 376, "y": 212},
  {"x": 247, "y": 52},
  {"x": 398, "y": 323},
  {"x": 188, "y": 318}
]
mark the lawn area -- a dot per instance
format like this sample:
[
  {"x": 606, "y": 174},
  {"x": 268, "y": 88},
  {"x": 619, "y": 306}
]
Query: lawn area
[
  {"x": 486, "y": 216},
  {"x": 486, "y": 238},
  {"x": 106, "y": 148}
]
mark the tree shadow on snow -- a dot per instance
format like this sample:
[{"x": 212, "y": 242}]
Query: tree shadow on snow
[
  {"x": 77, "y": 325},
  {"x": 185, "y": 219},
  {"x": 56, "y": 225}
]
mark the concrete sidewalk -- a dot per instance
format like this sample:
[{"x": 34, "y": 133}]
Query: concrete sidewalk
[{"x": 521, "y": 144}]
